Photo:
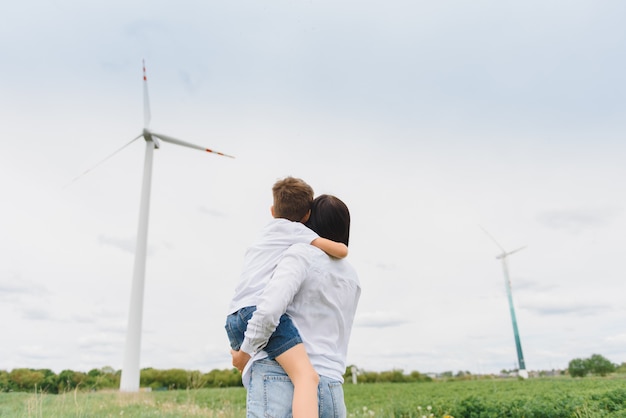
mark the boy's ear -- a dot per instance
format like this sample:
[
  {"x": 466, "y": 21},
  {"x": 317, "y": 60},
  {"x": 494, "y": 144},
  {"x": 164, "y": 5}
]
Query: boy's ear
[
  {"x": 272, "y": 211},
  {"x": 306, "y": 217}
]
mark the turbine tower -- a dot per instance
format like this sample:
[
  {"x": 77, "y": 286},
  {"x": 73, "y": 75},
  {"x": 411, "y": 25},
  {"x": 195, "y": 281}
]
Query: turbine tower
[
  {"x": 130, "y": 370},
  {"x": 507, "y": 283}
]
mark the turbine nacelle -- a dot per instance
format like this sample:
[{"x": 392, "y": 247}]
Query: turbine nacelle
[{"x": 148, "y": 136}]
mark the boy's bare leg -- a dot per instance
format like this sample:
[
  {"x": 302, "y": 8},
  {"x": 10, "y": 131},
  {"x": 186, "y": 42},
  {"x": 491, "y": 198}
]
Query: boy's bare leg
[{"x": 305, "y": 379}]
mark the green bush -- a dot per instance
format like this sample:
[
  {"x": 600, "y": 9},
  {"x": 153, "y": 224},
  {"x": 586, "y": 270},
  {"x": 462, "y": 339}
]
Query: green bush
[
  {"x": 599, "y": 365},
  {"x": 577, "y": 368},
  {"x": 596, "y": 364}
]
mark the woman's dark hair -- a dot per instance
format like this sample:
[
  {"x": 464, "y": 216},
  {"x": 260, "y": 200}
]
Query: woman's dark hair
[{"x": 330, "y": 218}]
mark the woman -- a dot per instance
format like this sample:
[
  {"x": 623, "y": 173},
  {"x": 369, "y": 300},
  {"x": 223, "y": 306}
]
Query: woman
[{"x": 320, "y": 294}]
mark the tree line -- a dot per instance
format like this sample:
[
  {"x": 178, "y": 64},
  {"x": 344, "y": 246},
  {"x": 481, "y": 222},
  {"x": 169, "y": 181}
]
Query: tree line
[
  {"x": 45, "y": 380},
  {"x": 392, "y": 376}
]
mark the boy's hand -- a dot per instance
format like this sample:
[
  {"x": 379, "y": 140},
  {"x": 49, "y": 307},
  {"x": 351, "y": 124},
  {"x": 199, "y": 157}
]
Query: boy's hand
[{"x": 240, "y": 359}]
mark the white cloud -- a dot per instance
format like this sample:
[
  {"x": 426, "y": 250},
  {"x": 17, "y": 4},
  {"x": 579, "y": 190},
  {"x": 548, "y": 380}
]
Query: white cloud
[
  {"x": 575, "y": 221},
  {"x": 37, "y": 314},
  {"x": 101, "y": 342},
  {"x": 619, "y": 338},
  {"x": 15, "y": 286}
]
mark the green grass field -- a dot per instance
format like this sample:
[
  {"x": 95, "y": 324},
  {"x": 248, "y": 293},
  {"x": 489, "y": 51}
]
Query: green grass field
[{"x": 545, "y": 397}]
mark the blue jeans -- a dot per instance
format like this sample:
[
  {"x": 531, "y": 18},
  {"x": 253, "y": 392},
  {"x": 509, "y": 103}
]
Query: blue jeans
[
  {"x": 270, "y": 393},
  {"x": 282, "y": 339}
]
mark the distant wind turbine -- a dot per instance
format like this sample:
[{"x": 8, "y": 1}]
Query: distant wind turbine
[
  {"x": 507, "y": 283},
  {"x": 130, "y": 370}
]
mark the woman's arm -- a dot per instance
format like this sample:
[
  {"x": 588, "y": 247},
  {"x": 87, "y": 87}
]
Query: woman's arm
[{"x": 278, "y": 294}]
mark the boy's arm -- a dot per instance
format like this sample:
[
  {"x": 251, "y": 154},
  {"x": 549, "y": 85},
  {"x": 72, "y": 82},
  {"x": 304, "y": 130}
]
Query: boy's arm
[
  {"x": 332, "y": 248},
  {"x": 273, "y": 302}
]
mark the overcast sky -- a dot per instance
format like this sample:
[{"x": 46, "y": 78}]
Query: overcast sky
[{"x": 429, "y": 119}]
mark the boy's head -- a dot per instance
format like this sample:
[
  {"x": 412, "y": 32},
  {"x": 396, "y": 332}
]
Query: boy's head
[{"x": 292, "y": 199}]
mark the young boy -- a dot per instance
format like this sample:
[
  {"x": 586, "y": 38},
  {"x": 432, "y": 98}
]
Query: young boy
[{"x": 291, "y": 208}]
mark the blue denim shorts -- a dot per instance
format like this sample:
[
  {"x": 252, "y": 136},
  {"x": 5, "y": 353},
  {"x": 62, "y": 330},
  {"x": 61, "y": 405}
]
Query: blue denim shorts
[
  {"x": 270, "y": 393},
  {"x": 284, "y": 337}
]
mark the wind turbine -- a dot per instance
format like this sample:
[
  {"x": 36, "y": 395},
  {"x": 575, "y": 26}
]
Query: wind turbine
[
  {"x": 130, "y": 370},
  {"x": 507, "y": 283}
]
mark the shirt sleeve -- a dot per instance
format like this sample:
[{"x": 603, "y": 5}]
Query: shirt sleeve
[{"x": 277, "y": 295}]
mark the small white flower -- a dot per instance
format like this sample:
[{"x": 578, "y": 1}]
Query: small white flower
[{"x": 429, "y": 407}]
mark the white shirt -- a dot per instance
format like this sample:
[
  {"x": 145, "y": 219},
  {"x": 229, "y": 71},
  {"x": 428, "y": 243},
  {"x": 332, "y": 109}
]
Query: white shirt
[
  {"x": 262, "y": 257},
  {"x": 320, "y": 294}
]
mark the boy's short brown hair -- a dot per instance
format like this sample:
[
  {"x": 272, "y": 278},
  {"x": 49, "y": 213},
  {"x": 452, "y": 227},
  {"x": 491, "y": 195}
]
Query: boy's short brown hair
[{"x": 292, "y": 198}]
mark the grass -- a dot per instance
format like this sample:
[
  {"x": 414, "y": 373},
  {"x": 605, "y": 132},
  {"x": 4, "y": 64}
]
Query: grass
[
  {"x": 223, "y": 403},
  {"x": 533, "y": 398}
]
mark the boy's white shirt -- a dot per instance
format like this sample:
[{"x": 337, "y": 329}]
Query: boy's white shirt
[{"x": 262, "y": 257}]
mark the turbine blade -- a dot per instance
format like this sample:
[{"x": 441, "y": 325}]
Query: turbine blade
[
  {"x": 493, "y": 239},
  {"x": 171, "y": 140},
  {"x": 514, "y": 251},
  {"x": 102, "y": 162},
  {"x": 146, "y": 99}
]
